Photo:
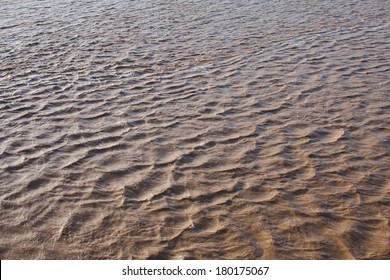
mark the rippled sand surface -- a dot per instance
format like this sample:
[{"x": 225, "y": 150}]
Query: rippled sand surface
[{"x": 195, "y": 129}]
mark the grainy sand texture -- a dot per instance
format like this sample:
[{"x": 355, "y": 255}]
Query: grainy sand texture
[{"x": 195, "y": 129}]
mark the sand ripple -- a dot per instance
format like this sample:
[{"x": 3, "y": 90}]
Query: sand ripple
[{"x": 195, "y": 129}]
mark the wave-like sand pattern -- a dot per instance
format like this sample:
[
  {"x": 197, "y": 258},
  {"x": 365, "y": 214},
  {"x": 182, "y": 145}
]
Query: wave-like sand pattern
[{"x": 195, "y": 129}]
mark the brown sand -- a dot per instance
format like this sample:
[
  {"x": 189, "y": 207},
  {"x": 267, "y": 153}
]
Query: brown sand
[{"x": 195, "y": 129}]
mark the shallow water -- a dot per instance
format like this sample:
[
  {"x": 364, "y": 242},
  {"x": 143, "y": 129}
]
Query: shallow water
[{"x": 195, "y": 129}]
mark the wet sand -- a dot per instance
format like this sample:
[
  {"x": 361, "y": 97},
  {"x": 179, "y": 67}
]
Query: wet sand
[{"x": 195, "y": 129}]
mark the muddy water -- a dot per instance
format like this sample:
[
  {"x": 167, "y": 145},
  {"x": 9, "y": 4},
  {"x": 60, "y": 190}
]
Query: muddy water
[{"x": 195, "y": 129}]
